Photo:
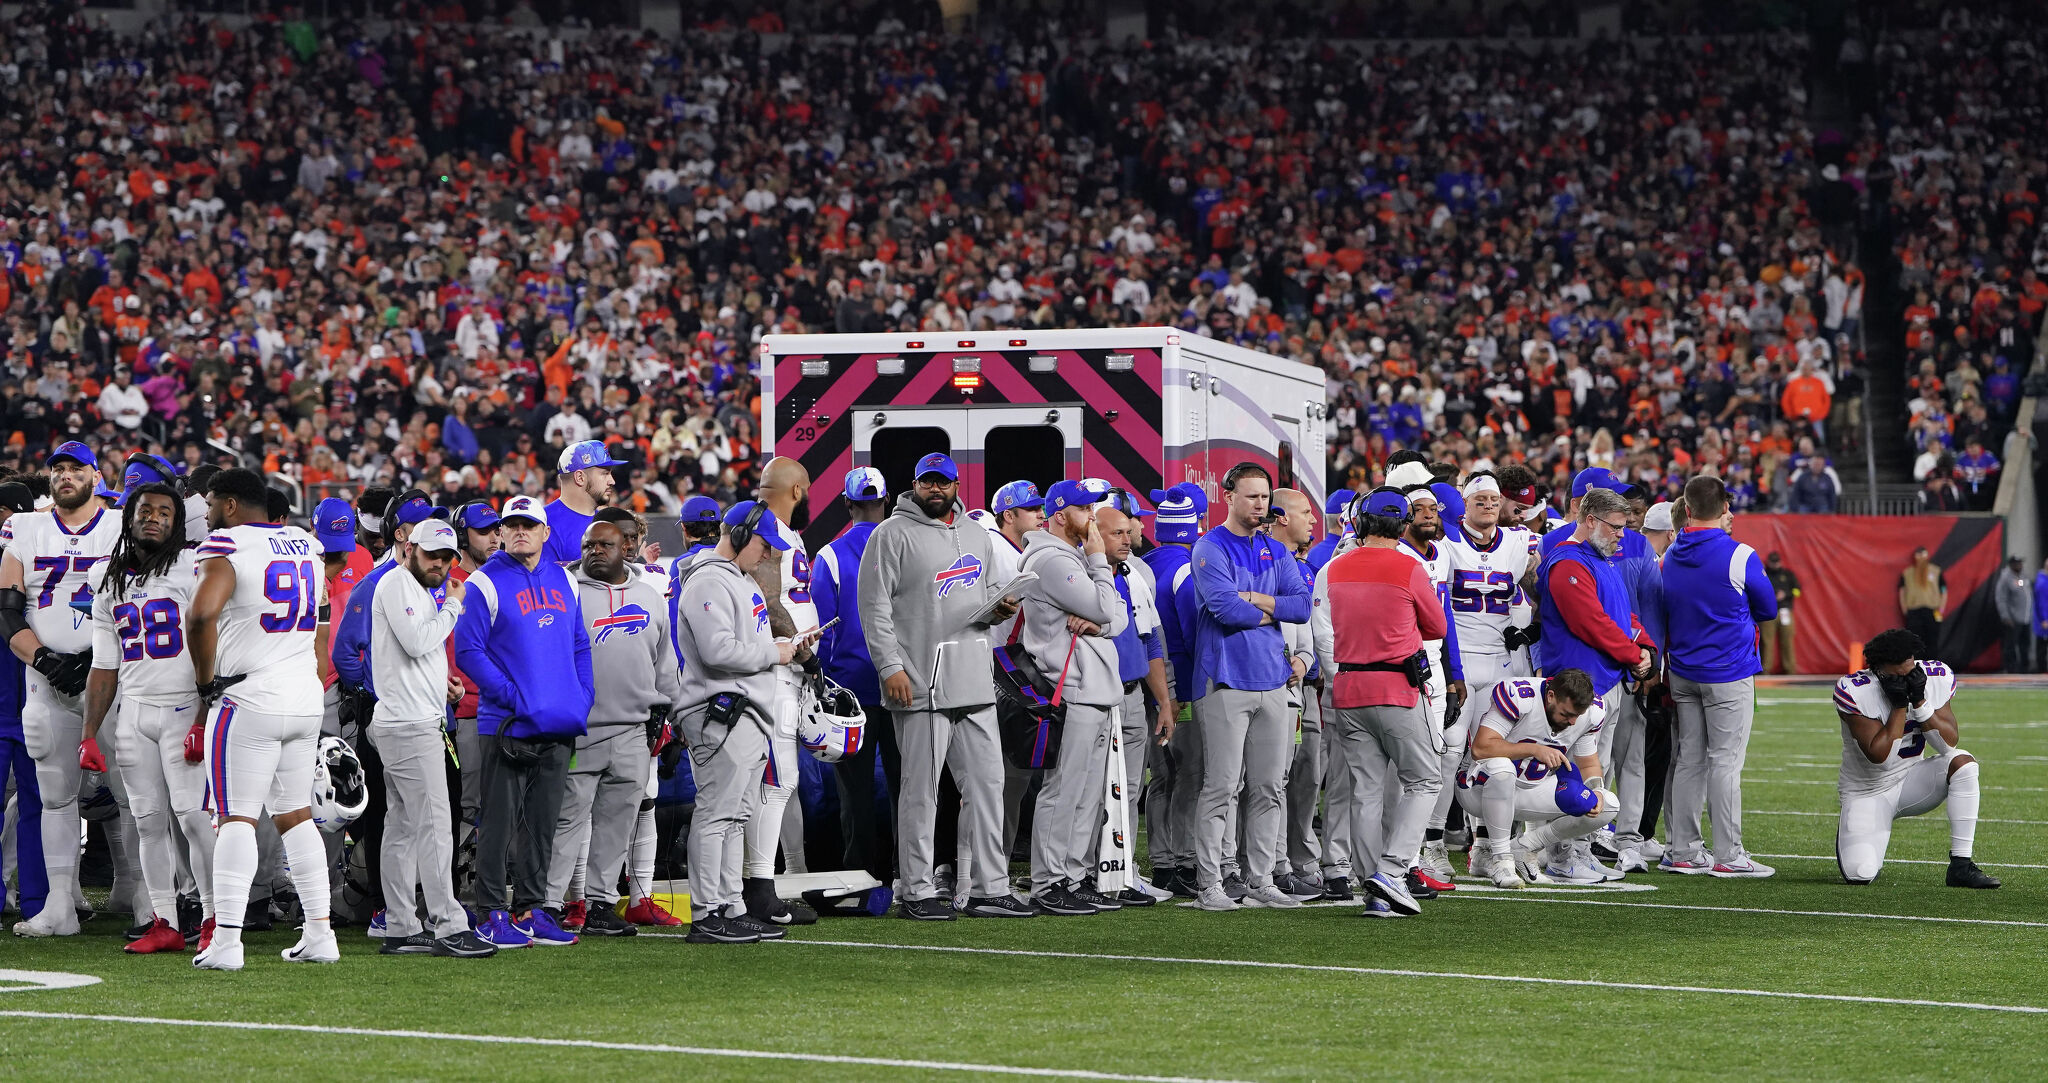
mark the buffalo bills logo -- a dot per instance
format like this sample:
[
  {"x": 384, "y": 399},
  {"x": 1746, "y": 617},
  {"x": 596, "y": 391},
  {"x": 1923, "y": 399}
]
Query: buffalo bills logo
[
  {"x": 964, "y": 572},
  {"x": 627, "y": 620},
  {"x": 760, "y": 613},
  {"x": 545, "y": 620}
]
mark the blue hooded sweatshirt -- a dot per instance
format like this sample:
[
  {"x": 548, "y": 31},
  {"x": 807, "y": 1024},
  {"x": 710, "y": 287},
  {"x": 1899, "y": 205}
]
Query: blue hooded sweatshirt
[
  {"x": 1232, "y": 647},
  {"x": 835, "y": 590},
  {"x": 1715, "y": 594},
  {"x": 521, "y": 638}
]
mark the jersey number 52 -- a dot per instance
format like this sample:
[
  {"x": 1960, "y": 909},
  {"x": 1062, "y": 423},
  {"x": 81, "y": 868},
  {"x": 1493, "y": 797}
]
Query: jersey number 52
[{"x": 1467, "y": 597}]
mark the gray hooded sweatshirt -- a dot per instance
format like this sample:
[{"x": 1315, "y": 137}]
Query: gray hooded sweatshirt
[
  {"x": 722, "y": 635},
  {"x": 1071, "y": 583},
  {"x": 921, "y": 581},
  {"x": 630, "y": 661}
]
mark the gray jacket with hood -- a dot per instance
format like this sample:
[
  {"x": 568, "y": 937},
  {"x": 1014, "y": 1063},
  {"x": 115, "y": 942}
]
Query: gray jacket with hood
[
  {"x": 1072, "y": 583},
  {"x": 630, "y": 660},
  {"x": 921, "y": 581}
]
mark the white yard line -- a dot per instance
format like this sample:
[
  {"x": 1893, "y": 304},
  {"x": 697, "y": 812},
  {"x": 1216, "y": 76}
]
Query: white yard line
[
  {"x": 1833, "y": 782},
  {"x": 627, "y": 1047},
  {"x": 1888, "y": 861},
  {"x": 1516, "y": 896},
  {"x": 1837, "y": 816},
  {"x": 1512, "y": 979}
]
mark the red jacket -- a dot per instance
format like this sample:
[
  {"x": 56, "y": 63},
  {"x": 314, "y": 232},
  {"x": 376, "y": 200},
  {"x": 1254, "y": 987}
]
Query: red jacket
[{"x": 1381, "y": 605}]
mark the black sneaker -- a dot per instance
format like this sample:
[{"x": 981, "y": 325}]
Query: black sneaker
[
  {"x": 602, "y": 919},
  {"x": 1338, "y": 888},
  {"x": 1963, "y": 872},
  {"x": 718, "y": 929},
  {"x": 1001, "y": 906},
  {"x": 190, "y": 918},
  {"x": 463, "y": 945},
  {"x": 1416, "y": 887},
  {"x": 1234, "y": 886},
  {"x": 755, "y": 925},
  {"x": 763, "y": 905},
  {"x": 801, "y": 914},
  {"x": 1085, "y": 894},
  {"x": 1060, "y": 902},
  {"x": 1131, "y": 896},
  {"x": 257, "y": 918},
  {"x": 932, "y": 909},
  {"x": 416, "y": 944},
  {"x": 137, "y": 932},
  {"x": 1183, "y": 884}
]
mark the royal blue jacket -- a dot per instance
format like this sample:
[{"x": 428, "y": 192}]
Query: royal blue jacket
[
  {"x": 1134, "y": 652},
  {"x": 350, "y": 650},
  {"x": 1644, "y": 577},
  {"x": 13, "y": 693},
  {"x": 1232, "y": 648},
  {"x": 675, "y": 575},
  {"x": 566, "y": 527},
  {"x": 1715, "y": 594},
  {"x": 1173, "y": 570},
  {"x": 1562, "y": 648},
  {"x": 2040, "y": 605},
  {"x": 835, "y": 590},
  {"x": 1321, "y": 552},
  {"x": 1634, "y": 559},
  {"x": 521, "y": 639}
]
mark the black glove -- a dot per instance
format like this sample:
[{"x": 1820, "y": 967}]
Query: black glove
[
  {"x": 210, "y": 692},
  {"x": 1898, "y": 689},
  {"x": 1517, "y": 638},
  {"x": 656, "y": 716},
  {"x": 670, "y": 757},
  {"x": 65, "y": 672},
  {"x": 1916, "y": 685}
]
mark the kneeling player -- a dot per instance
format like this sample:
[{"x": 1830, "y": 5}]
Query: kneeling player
[
  {"x": 1899, "y": 758},
  {"x": 1531, "y": 731}
]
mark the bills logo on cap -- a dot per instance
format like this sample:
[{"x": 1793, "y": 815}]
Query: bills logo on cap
[
  {"x": 338, "y": 525},
  {"x": 965, "y": 571},
  {"x": 760, "y": 613},
  {"x": 626, "y": 620}
]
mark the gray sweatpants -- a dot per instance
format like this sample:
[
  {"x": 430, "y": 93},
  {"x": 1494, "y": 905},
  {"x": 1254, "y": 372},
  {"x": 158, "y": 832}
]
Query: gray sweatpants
[
  {"x": 1304, "y": 788},
  {"x": 1625, "y": 719},
  {"x": 1713, "y": 738},
  {"x": 1162, "y": 831},
  {"x": 1412, "y": 746},
  {"x": 1067, "y": 821},
  {"x": 1246, "y": 743},
  {"x": 419, "y": 837},
  {"x": 726, "y": 763},
  {"x": 606, "y": 782},
  {"x": 967, "y": 742}
]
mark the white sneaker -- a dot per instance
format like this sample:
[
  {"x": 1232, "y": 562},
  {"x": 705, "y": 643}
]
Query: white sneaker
[
  {"x": 220, "y": 957},
  {"x": 1268, "y": 897},
  {"x": 1685, "y": 866},
  {"x": 1213, "y": 898},
  {"x": 1378, "y": 908},
  {"x": 1587, "y": 861},
  {"x": 1436, "y": 861},
  {"x": 1568, "y": 868},
  {"x": 1479, "y": 859},
  {"x": 1146, "y": 886},
  {"x": 313, "y": 948},
  {"x": 57, "y": 918},
  {"x": 1393, "y": 892},
  {"x": 1528, "y": 863},
  {"x": 1632, "y": 860},
  {"x": 1500, "y": 868},
  {"x": 1652, "y": 850},
  {"x": 1743, "y": 867}
]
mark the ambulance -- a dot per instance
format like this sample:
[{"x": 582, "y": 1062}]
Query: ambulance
[{"x": 1141, "y": 407}]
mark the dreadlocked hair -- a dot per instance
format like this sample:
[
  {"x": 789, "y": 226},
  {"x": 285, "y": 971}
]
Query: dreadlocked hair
[{"x": 134, "y": 564}]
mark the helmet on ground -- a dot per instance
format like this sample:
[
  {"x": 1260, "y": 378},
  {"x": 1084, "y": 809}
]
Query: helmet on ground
[
  {"x": 833, "y": 724},
  {"x": 340, "y": 790}
]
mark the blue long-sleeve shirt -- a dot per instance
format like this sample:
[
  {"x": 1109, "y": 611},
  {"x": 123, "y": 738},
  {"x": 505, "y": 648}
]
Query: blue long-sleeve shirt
[
  {"x": 1173, "y": 570},
  {"x": 350, "y": 650},
  {"x": 518, "y": 626},
  {"x": 835, "y": 590},
  {"x": 1715, "y": 594},
  {"x": 2041, "y": 603},
  {"x": 1233, "y": 647},
  {"x": 1134, "y": 652}
]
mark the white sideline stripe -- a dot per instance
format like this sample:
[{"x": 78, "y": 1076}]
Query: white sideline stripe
[
  {"x": 1512, "y": 979},
  {"x": 1832, "y": 782},
  {"x": 627, "y": 1047},
  {"x": 1895, "y": 861},
  {"x": 1516, "y": 896},
  {"x": 1837, "y": 816}
]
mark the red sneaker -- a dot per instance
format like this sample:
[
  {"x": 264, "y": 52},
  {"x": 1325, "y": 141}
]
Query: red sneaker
[
  {"x": 646, "y": 911},
  {"x": 206, "y": 934},
  {"x": 573, "y": 915},
  {"x": 162, "y": 936},
  {"x": 1432, "y": 882}
]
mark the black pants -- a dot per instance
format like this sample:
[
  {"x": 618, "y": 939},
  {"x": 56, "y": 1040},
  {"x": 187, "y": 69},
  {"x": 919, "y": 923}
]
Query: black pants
[
  {"x": 517, "y": 824},
  {"x": 368, "y": 829},
  {"x": 868, "y": 824},
  {"x": 1921, "y": 623},
  {"x": 2019, "y": 647},
  {"x": 1656, "y": 771}
]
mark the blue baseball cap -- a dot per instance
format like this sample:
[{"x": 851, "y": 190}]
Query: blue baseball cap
[
  {"x": 415, "y": 509},
  {"x": 864, "y": 483},
  {"x": 1340, "y": 502},
  {"x": 334, "y": 523},
  {"x": 1449, "y": 499},
  {"x": 1074, "y": 494},
  {"x": 144, "y": 468},
  {"x": 1387, "y": 502},
  {"x": 476, "y": 516},
  {"x": 768, "y": 530},
  {"x": 1181, "y": 509},
  {"x": 1128, "y": 504},
  {"x": 937, "y": 463},
  {"x": 1574, "y": 797},
  {"x": 101, "y": 490},
  {"x": 1017, "y": 494},
  {"x": 585, "y": 456},
  {"x": 74, "y": 450},
  {"x": 699, "y": 509},
  {"x": 1596, "y": 477}
]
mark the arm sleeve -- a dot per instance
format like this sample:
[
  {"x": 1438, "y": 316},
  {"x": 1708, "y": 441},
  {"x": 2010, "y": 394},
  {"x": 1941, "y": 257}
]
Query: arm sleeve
[
  {"x": 667, "y": 677},
  {"x": 1216, "y": 589},
  {"x": 1454, "y": 662},
  {"x": 106, "y": 645},
  {"x": 1763, "y": 597},
  {"x": 472, "y": 634},
  {"x": 1093, "y": 598},
  {"x": 352, "y": 635},
  {"x": 1155, "y": 645},
  {"x": 1291, "y": 601},
  {"x": 415, "y": 636},
  {"x": 1106, "y": 596},
  {"x": 825, "y": 586},
  {"x": 1578, "y": 600},
  {"x": 722, "y": 644},
  {"x": 1430, "y": 618},
  {"x": 878, "y": 575}
]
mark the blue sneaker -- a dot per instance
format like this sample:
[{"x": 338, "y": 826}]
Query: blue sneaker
[
  {"x": 376, "y": 929},
  {"x": 1394, "y": 893},
  {"x": 541, "y": 928},
  {"x": 499, "y": 932},
  {"x": 1377, "y": 908}
]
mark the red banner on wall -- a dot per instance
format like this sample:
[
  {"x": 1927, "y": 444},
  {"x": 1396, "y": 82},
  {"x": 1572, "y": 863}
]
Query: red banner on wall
[{"x": 1849, "y": 568}]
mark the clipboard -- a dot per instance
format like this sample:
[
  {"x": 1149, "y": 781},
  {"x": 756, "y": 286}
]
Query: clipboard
[{"x": 986, "y": 615}]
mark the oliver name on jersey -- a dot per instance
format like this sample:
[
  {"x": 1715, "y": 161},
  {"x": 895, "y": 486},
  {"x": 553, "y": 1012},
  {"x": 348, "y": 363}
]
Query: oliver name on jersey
[{"x": 267, "y": 627}]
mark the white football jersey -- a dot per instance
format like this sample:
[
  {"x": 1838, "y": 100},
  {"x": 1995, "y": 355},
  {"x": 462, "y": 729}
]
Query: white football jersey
[
  {"x": 267, "y": 629},
  {"x": 1437, "y": 562},
  {"x": 1515, "y": 711},
  {"x": 1859, "y": 694},
  {"x": 56, "y": 571},
  {"x": 796, "y": 580},
  {"x": 1482, "y": 582},
  {"x": 655, "y": 574},
  {"x": 142, "y": 634}
]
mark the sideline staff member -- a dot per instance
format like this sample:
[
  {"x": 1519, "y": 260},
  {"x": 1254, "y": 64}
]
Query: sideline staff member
[{"x": 728, "y": 690}]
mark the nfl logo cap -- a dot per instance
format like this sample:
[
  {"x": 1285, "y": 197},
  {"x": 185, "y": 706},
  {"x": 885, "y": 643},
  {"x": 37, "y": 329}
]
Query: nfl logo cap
[
  {"x": 1596, "y": 477},
  {"x": 1073, "y": 494},
  {"x": 1386, "y": 502},
  {"x": 76, "y": 452},
  {"x": 1017, "y": 494},
  {"x": 939, "y": 464},
  {"x": 768, "y": 530},
  {"x": 334, "y": 523},
  {"x": 865, "y": 483},
  {"x": 1340, "y": 502},
  {"x": 585, "y": 456}
]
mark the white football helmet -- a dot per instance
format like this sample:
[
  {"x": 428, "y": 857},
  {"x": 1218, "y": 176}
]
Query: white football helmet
[
  {"x": 340, "y": 790},
  {"x": 833, "y": 725}
]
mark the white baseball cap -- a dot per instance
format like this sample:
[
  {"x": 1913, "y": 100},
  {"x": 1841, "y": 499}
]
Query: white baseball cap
[
  {"x": 1659, "y": 517},
  {"x": 434, "y": 534},
  {"x": 523, "y": 507}
]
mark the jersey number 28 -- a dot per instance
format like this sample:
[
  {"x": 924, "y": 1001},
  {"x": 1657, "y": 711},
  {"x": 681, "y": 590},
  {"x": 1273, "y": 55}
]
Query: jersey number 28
[{"x": 154, "y": 628}]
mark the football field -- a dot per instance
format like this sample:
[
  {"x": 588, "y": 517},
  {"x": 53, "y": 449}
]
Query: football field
[{"x": 1660, "y": 976}]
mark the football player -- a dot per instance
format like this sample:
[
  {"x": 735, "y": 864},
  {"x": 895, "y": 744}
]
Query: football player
[
  {"x": 138, "y": 613},
  {"x": 251, "y": 627},
  {"x": 45, "y": 617},
  {"x": 1899, "y": 758},
  {"x": 1534, "y": 755}
]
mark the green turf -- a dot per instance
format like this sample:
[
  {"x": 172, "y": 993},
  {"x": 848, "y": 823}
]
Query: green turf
[{"x": 1186, "y": 1019}]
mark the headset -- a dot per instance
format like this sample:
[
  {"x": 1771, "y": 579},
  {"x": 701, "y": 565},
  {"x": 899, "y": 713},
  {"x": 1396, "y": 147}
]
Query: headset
[
  {"x": 742, "y": 532},
  {"x": 1359, "y": 514},
  {"x": 462, "y": 527}
]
